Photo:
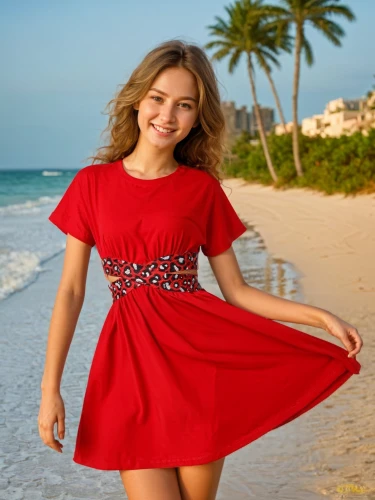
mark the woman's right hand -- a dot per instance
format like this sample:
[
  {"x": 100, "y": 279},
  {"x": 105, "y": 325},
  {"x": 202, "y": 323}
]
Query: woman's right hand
[{"x": 51, "y": 411}]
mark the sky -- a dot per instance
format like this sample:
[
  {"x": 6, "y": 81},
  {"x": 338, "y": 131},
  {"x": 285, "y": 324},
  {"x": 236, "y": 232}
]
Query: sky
[{"x": 63, "y": 62}]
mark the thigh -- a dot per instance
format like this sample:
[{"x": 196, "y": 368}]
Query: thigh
[
  {"x": 200, "y": 482},
  {"x": 151, "y": 484}
]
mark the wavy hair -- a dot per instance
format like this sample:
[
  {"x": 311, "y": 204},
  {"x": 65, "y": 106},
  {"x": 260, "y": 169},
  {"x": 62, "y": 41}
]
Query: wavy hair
[{"x": 203, "y": 148}]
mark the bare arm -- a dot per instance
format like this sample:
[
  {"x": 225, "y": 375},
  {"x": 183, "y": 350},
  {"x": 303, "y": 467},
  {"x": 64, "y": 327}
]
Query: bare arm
[
  {"x": 68, "y": 304},
  {"x": 237, "y": 292}
]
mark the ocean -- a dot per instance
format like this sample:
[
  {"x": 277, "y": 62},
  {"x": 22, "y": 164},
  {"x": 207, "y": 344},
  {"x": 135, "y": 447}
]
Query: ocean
[{"x": 27, "y": 238}]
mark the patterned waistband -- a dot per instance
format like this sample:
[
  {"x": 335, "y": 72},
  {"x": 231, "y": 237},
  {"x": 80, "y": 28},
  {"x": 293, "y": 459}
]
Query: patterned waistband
[{"x": 154, "y": 273}]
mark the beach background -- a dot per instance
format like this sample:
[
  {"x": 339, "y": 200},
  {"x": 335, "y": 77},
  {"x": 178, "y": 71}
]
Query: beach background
[
  {"x": 62, "y": 64},
  {"x": 300, "y": 245}
]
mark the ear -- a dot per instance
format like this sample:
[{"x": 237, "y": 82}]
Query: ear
[{"x": 136, "y": 106}]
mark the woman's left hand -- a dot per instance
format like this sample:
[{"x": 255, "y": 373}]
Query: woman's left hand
[{"x": 345, "y": 332}]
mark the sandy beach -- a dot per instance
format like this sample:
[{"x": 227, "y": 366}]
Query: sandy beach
[{"x": 331, "y": 242}]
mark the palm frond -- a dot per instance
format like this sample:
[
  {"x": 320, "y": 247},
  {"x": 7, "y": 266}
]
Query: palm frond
[
  {"x": 329, "y": 29},
  {"x": 307, "y": 50},
  {"x": 331, "y": 9},
  {"x": 234, "y": 60}
]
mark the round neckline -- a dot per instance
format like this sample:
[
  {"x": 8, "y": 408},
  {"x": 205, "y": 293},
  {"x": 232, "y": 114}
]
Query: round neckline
[{"x": 139, "y": 181}]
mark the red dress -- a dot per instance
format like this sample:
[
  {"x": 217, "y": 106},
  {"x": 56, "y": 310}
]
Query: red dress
[{"x": 180, "y": 376}]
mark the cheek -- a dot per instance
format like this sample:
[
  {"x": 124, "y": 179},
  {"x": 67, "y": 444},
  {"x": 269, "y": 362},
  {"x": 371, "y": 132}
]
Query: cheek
[
  {"x": 187, "y": 120},
  {"x": 146, "y": 112}
]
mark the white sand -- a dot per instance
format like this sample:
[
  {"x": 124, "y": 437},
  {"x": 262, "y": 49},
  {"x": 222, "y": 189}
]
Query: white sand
[{"x": 331, "y": 242}]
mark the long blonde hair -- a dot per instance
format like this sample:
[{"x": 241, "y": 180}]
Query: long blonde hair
[{"x": 203, "y": 148}]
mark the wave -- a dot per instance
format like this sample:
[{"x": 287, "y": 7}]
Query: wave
[
  {"x": 20, "y": 269},
  {"x": 29, "y": 206},
  {"x": 17, "y": 270},
  {"x": 51, "y": 173}
]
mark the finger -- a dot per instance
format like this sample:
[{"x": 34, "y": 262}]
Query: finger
[
  {"x": 46, "y": 434},
  {"x": 61, "y": 427},
  {"x": 357, "y": 342},
  {"x": 347, "y": 344},
  {"x": 49, "y": 439},
  {"x": 349, "y": 340}
]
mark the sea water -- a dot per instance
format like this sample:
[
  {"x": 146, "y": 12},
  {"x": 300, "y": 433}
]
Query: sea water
[{"x": 27, "y": 239}]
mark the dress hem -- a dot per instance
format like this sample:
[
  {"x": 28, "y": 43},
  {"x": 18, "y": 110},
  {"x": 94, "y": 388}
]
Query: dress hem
[{"x": 283, "y": 417}]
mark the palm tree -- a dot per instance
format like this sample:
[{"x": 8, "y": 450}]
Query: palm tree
[
  {"x": 247, "y": 32},
  {"x": 316, "y": 13}
]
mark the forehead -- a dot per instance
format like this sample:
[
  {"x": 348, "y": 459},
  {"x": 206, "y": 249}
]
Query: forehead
[{"x": 176, "y": 82}]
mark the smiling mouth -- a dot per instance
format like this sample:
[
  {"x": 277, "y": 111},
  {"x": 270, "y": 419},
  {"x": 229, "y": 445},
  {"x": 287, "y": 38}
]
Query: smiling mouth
[{"x": 162, "y": 129}]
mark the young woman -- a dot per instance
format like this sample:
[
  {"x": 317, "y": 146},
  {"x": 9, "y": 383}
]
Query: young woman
[{"x": 180, "y": 378}]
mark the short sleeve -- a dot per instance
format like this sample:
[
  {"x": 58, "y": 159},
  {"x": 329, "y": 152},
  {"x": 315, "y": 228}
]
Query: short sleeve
[
  {"x": 72, "y": 213},
  {"x": 223, "y": 225}
]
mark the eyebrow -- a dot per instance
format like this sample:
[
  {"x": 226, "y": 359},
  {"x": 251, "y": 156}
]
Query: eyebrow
[{"x": 185, "y": 98}]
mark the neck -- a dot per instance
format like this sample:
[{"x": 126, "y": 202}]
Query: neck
[{"x": 151, "y": 161}]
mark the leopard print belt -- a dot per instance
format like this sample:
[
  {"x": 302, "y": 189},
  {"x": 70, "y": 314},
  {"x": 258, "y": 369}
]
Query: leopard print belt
[{"x": 154, "y": 273}]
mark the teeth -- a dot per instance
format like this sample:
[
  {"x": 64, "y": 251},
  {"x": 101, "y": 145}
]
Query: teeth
[{"x": 160, "y": 129}]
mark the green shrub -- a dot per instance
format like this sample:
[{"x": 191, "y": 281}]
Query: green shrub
[{"x": 332, "y": 165}]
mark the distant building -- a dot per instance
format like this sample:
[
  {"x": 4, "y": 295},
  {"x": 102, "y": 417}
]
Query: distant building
[
  {"x": 280, "y": 130},
  {"x": 238, "y": 120},
  {"x": 267, "y": 116},
  {"x": 342, "y": 117},
  {"x": 313, "y": 126},
  {"x": 366, "y": 119},
  {"x": 341, "y": 104}
]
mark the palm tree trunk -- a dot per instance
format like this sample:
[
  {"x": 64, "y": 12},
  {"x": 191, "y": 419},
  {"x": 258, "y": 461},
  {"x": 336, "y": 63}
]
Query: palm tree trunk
[
  {"x": 262, "y": 133},
  {"x": 297, "y": 69},
  {"x": 277, "y": 100}
]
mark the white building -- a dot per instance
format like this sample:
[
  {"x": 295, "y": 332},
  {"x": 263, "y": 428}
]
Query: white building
[
  {"x": 279, "y": 128},
  {"x": 341, "y": 117},
  {"x": 313, "y": 126}
]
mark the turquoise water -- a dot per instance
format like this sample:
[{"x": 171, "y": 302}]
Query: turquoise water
[
  {"x": 27, "y": 238},
  {"x": 31, "y": 187}
]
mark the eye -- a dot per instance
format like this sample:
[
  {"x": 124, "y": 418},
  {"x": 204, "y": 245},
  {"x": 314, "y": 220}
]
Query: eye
[{"x": 155, "y": 97}]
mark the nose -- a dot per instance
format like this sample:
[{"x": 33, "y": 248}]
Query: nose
[{"x": 167, "y": 114}]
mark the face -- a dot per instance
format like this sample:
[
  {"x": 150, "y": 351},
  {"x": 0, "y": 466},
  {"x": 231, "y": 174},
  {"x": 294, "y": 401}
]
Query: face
[{"x": 170, "y": 108}]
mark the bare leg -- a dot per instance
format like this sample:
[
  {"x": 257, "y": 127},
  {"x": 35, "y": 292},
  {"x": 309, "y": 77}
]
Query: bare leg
[
  {"x": 151, "y": 484},
  {"x": 200, "y": 482}
]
